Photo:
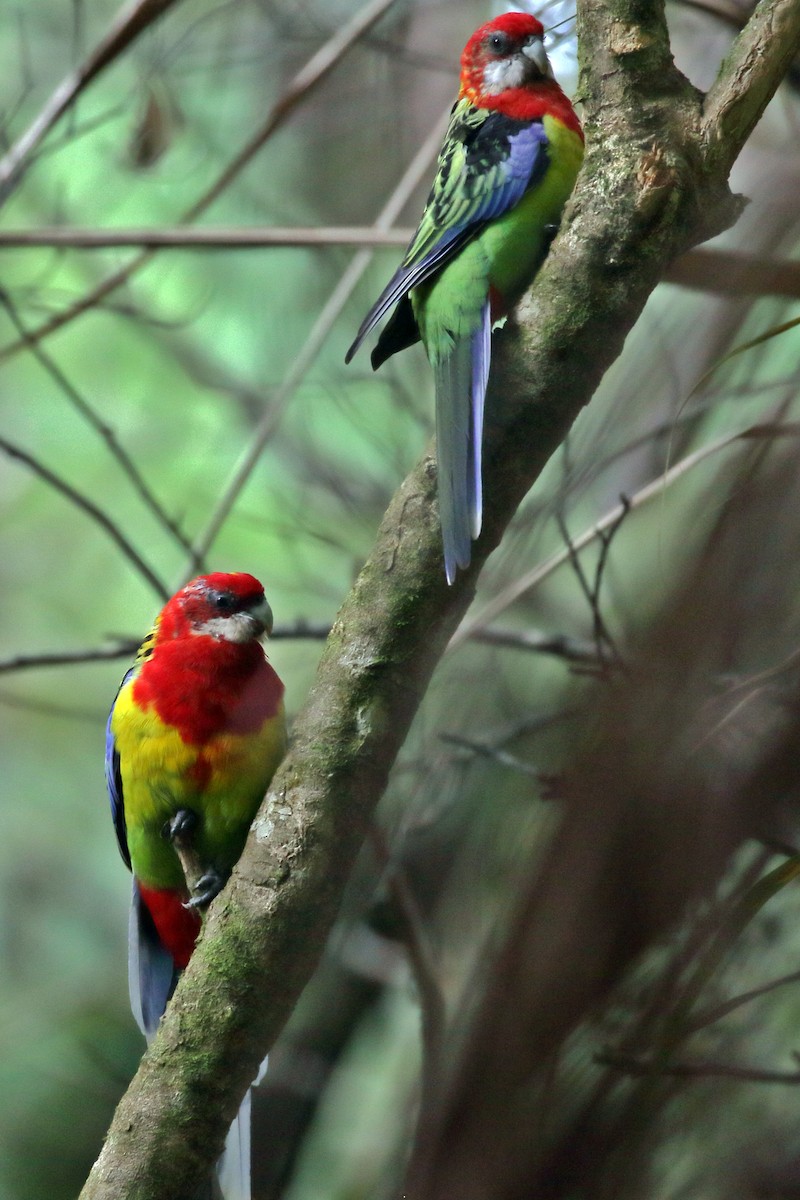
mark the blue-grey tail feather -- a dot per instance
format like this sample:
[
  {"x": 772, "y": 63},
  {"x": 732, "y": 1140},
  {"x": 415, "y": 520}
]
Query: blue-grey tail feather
[
  {"x": 461, "y": 379},
  {"x": 481, "y": 359},
  {"x": 233, "y": 1169},
  {"x": 151, "y": 972}
]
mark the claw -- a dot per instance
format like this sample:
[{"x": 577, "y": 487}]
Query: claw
[
  {"x": 180, "y": 828},
  {"x": 207, "y": 887}
]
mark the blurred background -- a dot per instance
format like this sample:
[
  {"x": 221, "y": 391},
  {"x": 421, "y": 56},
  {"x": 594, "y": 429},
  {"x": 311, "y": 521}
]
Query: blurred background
[{"x": 189, "y": 408}]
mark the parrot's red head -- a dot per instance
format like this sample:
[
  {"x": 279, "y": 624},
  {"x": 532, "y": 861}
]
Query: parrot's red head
[
  {"x": 507, "y": 52},
  {"x": 504, "y": 67},
  {"x": 226, "y": 607}
]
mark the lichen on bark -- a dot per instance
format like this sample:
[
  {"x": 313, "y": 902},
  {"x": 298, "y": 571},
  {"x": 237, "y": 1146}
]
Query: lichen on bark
[{"x": 654, "y": 183}]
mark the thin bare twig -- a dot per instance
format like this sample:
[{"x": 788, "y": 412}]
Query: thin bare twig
[
  {"x": 68, "y": 658},
  {"x": 300, "y": 631},
  {"x": 665, "y": 993},
  {"x": 675, "y": 1026},
  {"x": 722, "y": 272},
  {"x": 219, "y": 238},
  {"x": 602, "y": 635},
  {"x": 130, "y": 22},
  {"x": 318, "y": 66},
  {"x": 118, "y": 453},
  {"x": 494, "y": 753},
  {"x": 316, "y": 340},
  {"x": 91, "y": 509},
  {"x": 420, "y": 955},
  {"x": 560, "y": 645},
  {"x": 531, "y": 579},
  {"x": 701, "y": 1069},
  {"x": 718, "y": 1011}
]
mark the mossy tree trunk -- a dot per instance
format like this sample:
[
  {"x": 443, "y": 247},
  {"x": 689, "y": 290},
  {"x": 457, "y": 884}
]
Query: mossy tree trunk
[{"x": 654, "y": 184}]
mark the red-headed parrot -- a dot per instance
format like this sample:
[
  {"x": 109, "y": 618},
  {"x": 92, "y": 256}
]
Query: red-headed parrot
[
  {"x": 509, "y": 162},
  {"x": 193, "y": 739}
]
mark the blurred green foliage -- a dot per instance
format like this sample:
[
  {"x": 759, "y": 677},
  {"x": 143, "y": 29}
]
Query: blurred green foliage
[{"x": 182, "y": 363}]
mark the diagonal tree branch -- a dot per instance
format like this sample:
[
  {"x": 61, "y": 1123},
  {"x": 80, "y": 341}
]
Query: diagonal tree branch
[
  {"x": 313, "y": 344},
  {"x": 478, "y": 623},
  {"x": 131, "y": 21},
  {"x": 91, "y": 509},
  {"x": 648, "y": 191},
  {"x": 310, "y": 74},
  {"x": 763, "y": 51},
  {"x": 115, "y": 448}
]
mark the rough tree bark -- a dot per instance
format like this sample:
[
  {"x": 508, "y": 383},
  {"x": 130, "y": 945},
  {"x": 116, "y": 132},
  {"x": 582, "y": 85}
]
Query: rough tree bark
[{"x": 653, "y": 185}]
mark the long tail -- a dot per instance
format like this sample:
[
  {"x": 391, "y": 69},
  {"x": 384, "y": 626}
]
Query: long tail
[
  {"x": 233, "y": 1169},
  {"x": 461, "y": 378},
  {"x": 151, "y": 971}
]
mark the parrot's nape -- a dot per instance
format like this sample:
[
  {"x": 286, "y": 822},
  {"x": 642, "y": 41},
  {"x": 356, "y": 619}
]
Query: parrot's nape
[{"x": 509, "y": 162}]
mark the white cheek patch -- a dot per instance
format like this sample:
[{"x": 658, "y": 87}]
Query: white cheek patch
[
  {"x": 238, "y": 627},
  {"x": 505, "y": 73}
]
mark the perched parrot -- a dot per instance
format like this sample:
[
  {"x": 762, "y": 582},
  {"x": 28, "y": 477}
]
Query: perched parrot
[
  {"x": 194, "y": 736},
  {"x": 508, "y": 164}
]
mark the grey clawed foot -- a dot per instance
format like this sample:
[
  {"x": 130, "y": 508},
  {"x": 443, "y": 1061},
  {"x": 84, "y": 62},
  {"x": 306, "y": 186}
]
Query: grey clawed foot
[
  {"x": 180, "y": 830},
  {"x": 207, "y": 887},
  {"x": 181, "y": 827}
]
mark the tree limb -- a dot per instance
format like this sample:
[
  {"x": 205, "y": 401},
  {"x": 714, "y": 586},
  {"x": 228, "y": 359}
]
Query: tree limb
[
  {"x": 760, "y": 54},
  {"x": 651, "y": 188}
]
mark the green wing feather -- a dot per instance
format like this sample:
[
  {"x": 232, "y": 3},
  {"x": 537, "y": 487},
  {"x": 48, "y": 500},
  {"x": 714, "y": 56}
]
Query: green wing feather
[
  {"x": 471, "y": 177},
  {"x": 486, "y": 163}
]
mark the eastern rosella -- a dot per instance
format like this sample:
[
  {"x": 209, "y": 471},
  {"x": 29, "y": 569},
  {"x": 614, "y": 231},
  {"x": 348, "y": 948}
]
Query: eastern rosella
[
  {"x": 194, "y": 736},
  {"x": 509, "y": 162}
]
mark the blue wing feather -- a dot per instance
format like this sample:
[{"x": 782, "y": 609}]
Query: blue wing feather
[
  {"x": 408, "y": 276},
  {"x": 114, "y": 781},
  {"x": 502, "y": 159}
]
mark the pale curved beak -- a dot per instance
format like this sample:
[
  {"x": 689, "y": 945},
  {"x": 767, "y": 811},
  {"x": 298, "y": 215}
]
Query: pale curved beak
[
  {"x": 535, "y": 51},
  {"x": 262, "y": 613}
]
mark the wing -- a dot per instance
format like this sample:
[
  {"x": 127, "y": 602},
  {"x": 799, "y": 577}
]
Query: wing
[
  {"x": 151, "y": 971},
  {"x": 114, "y": 781},
  {"x": 487, "y": 163},
  {"x": 113, "y": 773}
]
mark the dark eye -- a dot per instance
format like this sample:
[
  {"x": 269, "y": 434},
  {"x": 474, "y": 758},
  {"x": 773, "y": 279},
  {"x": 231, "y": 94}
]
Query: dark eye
[
  {"x": 225, "y": 602},
  {"x": 499, "y": 43}
]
